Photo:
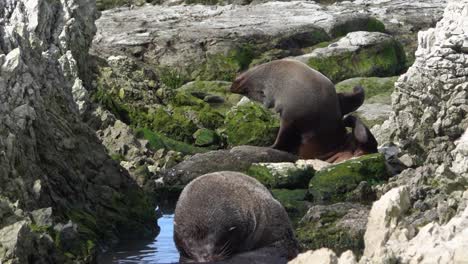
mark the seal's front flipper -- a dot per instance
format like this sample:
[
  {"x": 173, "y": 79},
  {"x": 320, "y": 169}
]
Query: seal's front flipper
[
  {"x": 350, "y": 102},
  {"x": 287, "y": 139}
]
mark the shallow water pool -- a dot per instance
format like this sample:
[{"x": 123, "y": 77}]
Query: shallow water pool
[{"x": 161, "y": 250}]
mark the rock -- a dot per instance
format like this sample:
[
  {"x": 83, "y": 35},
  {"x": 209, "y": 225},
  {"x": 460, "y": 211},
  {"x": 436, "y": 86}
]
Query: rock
[
  {"x": 324, "y": 256},
  {"x": 293, "y": 201},
  {"x": 281, "y": 175},
  {"x": 51, "y": 162},
  {"x": 213, "y": 89},
  {"x": 316, "y": 164},
  {"x": 383, "y": 220},
  {"x": 377, "y": 89},
  {"x": 180, "y": 36},
  {"x": 321, "y": 256},
  {"x": 358, "y": 54},
  {"x": 430, "y": 99},
  {"x": 336, "y": 182},
  {"x": 338, "y": 226},
  {"x": 460, "y": 154},
  {"x": 215, "y": 42},
  {"x": 250, "y": 124},
  {"x": 205, "y": 137},
  {"x": 237, "y": 159}
]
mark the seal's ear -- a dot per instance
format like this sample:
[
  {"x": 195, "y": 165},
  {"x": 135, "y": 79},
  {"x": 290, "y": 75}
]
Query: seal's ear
[
  {"x": 350, "y": 102},
  {"x": 364, "y": 138}
]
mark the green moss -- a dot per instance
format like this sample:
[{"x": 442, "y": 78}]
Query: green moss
[
  {"x": 293, "y": 202},
  {"x": 210, "y": 119},
  {"x": 225, "y": 66},
  {"x": 275, "y": 176},
  {"x": 176, "y": 124},
  {"x": 158, "y": 141},
  {"x": 369, "y": 24},
  {"x": 218, "y": 88},
  {"x": 186, "y": 99},
  {"x": 250, "y": 124},
  {"x": 39, "y": 229},
  {"x": 205, "y": 137},
  {"x": 270, "y": 55},
  {"x": 387, "y": 59},
  {"x": 172, "y": 77},
  {"x": 377, "y": 89},
  {"x": 117, "y": 157},
  {"x": 326, "y": 234},
  {"x": 334, "y": 183}
]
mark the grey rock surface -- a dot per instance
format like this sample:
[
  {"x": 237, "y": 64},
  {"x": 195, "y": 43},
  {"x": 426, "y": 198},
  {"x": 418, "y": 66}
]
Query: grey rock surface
[
  {"x": 183, "y": 36},
  {"x": 48, "y": 157},
  {"x": 236, "y": 159}
]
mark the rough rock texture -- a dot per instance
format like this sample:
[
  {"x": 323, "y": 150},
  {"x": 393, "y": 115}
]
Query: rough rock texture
[
  {"x": 338, "y": 226},
  {"x": 236, "y": 159},
  {"x": 357, "y": 54},
  {"x": 423, "y": 219},
  {"x": 430, "y": 100},
  {"x": 225, "y": 39},
  {"x": 60, "y": 191}
]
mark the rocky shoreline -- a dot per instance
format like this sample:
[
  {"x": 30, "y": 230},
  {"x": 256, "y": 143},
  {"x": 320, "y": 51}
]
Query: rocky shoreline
[{"x": 100, "y": 119}]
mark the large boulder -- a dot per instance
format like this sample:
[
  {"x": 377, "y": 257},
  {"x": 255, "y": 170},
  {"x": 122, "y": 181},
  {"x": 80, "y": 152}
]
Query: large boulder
[
  {"x": 343, "y": 181},
  {"x": 49, "y": 157},
  {"x": 430, "y": 100},
  {"x": 358, "y": 54},
  {"x": 236, "y": 159},
  {"x": 338, "y": 226}
]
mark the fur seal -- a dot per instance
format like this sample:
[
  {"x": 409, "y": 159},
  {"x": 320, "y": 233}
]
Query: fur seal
[
  {"x": 222, "y": 214},
  {"x": 310, "y": 109}
]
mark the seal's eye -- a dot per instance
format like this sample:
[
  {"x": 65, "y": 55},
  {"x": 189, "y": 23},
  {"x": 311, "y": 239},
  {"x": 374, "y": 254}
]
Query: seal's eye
[{"x": 232, "y": 228}]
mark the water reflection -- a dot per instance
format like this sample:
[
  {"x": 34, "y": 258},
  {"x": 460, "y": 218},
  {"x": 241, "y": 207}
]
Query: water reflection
[{"x": 161, "y": 250}]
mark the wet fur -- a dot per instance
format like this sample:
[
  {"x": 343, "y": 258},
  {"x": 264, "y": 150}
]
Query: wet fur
[
  {"x": 311, "y": 111},
  {"x": 233, "y": 212}
]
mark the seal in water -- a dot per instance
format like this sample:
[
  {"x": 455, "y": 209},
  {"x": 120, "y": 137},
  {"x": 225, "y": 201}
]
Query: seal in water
[
  {"x": 221, "y": 214},
  {"x": 310, "y": 109}
]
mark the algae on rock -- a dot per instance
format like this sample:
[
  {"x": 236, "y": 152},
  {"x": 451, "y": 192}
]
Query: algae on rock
[
  {"x": 335, "y": 183},
  {"x": 250, "y": 124}
]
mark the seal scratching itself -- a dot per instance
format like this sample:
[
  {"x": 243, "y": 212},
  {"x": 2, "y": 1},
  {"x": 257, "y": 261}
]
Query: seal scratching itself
[
  {"x": 310, "y": 109},
  {"x": 222, "y": 214}
]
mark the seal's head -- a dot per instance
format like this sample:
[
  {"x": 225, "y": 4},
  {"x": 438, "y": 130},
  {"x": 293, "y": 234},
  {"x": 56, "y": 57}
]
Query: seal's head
[
  {"x": 244, "y": 85},
  {"x": 359, "y": 142},
  {"x": 202, "y": 245}
]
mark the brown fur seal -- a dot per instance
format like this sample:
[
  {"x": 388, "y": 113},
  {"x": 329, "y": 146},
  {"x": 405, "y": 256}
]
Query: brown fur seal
[
  {"x": 222, "y": 214},
  {"x": 311, "y": 111}
]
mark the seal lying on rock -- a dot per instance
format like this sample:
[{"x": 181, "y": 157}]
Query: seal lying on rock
[
  {"x": 311, "y": 111},
  {"x": 222, "y": 214}
]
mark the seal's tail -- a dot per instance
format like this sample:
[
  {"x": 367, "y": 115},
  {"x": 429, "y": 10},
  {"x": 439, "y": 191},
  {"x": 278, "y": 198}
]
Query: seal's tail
[{"x": 350, "y": 102}]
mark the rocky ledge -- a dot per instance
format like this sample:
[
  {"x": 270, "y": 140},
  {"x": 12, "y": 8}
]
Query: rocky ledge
[{"x": 62, "y": 198}]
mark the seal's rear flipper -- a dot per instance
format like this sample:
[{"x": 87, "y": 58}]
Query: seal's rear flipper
[{"x": 350, "y": 102}]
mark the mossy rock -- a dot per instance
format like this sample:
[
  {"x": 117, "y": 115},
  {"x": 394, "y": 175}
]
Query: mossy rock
[
  {"x": 217, "y": 88},
  {"x": 225, "y": 66},
  {"x": 336, "y": 182},
  {"x": 293, "y": 202},
  {"x": 270, "y": 55},
  {"x": 205, "y": 137},
  {"x": 158, "y": 141},
  {"x": 377, "y": 89},
  {"x": 363, "y": 23},
  {"x": 322, "y": 226},
  {"x": 250, "y": 124},
  {"x": 281, "y": 175},
  {"x": 176, "y": 124},
  {"x": 381, "y": 60}
]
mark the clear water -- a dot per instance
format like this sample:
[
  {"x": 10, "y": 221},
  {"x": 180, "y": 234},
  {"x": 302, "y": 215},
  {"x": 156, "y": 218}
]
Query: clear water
[{"x": 161, "y": 250}]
